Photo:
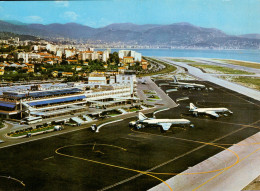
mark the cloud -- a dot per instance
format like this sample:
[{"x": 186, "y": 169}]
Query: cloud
[
  {"x": 70, "y": 15},
  {"x": 61, "y": 3},
  {"x": 33, "y": 18}
]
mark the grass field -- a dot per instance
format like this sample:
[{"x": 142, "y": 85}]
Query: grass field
[
  {"x": 149, "y": 92},
  {"x": 247, "y": 81},
  {"x": 151, "y": 100},
  {"x": 168, "y": 69},
  {"x": 183, "y": 60},
  {"x": 241, "y": 63},
  {"x": 224, "y": 70},
  {"x": 153, "y": 97},
  {"x": 31, "y": 131},
  {"x": 1, "y": 123}
]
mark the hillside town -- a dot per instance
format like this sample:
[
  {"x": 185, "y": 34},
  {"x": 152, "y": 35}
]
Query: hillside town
[
  {"x": 45, "y": 80},
  {"x": 40, "y": 60}
]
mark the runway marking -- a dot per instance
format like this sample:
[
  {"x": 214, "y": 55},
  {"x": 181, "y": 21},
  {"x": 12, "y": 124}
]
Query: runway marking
[
  {"x": 130, "y": 139},
  {"x": 99, "y": 152},
  {"x": 158, "y": 111},
  {"x": 210, "y": 144},
  {"x": 107, "y": 164},
  {"x": 96, "y": 151},
  {"x": 97, "y": 130},
  {"x": 200, "y": 142},
  {"x": 93, "y": 146},
  {"x": 48, "y": 158},
  {"x": 224, "y": 170},
  {"x": 14, "y": 179}
]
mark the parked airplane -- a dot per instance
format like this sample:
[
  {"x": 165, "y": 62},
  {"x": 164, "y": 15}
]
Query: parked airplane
[
  {"x": 214, "y": 112},
  {"x": 164, "y": 123},
  {"x": 185, "y": 85}
]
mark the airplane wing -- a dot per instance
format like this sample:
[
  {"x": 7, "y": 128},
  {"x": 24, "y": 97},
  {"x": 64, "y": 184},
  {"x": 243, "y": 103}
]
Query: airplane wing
[
  {"x": 165, "y": 126},
  {"x": 188, "y": 86},
  {"x": 212, "y": 113}
]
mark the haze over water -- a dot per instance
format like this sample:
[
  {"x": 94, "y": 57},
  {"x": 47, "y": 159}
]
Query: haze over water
[{"x": 245, "y": 55}]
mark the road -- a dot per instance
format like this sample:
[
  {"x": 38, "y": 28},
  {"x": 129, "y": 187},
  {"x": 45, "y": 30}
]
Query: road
[
  {"x": 208, "y": 77},
  {"x": 150, "y": 85}
]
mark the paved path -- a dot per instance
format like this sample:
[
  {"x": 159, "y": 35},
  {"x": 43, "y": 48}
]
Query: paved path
[
  {"x": 150, "y": 85},
  {"x": 235, "y": 178},
  {"x": 208, "y": 77},
  {"x": 167, "y": 101}
]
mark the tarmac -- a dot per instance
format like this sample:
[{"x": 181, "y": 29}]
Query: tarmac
[
  {"x": 119, "y": 158},
  {"x": 240, "y": 164}
]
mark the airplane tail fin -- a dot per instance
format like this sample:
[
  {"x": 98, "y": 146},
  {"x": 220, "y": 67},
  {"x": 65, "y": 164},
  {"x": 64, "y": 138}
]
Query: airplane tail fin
[
  {"x": 192, "y": 106},
  {"x": 141, "y": 116},
  {"x": 175, "y": 79}
]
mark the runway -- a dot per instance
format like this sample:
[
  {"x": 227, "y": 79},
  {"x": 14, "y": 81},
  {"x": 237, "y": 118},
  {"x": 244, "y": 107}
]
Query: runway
[{"x": 211, "y": 78}]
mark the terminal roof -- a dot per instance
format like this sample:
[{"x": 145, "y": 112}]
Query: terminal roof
[
  {"x": 43, "y": 93},
  {"x": 53, "y": 101}
]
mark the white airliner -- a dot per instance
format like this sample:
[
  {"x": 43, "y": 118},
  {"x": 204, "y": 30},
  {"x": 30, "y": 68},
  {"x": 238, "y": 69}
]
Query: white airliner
[
  {"x": 185, "y": 85},
  {"x": 209, "y": 111},
  {"x": 164, "y": 123}
]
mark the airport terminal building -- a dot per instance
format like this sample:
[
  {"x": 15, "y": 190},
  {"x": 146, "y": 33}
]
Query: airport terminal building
[{"x": 50, "y": 102}]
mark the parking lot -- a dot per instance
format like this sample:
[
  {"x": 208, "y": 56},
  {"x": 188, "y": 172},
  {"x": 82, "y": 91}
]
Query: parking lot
[{"x": 120, "y": 158}]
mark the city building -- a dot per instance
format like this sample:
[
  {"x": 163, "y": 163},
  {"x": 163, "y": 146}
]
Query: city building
[
  {"x": 97, "y": 78},
  {"x": 130, "y": 53},
  {"x": 144, "y": 64}
]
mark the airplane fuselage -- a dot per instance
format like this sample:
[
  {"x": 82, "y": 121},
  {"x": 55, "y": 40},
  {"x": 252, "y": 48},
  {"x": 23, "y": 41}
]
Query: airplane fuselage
[
  {"x": 217, "y": 110},
  {"x": 191, "y": 85},
  {"x": 164, "y": 123},
  {"x": 158, "y": 121}
]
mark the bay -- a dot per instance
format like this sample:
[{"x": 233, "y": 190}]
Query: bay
[{"x": 244, "y": 55}]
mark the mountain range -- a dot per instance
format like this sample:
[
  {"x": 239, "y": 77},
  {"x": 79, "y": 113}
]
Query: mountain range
[{"x": 183, "y": 35}]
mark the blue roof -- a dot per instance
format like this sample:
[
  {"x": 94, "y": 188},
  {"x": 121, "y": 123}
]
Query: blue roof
[
  {"x": 7, "y": 104},
  {"x": 54, "y": 92},
  {"x": 45, "y": 102},
  {"x": 45, "y": 93}
]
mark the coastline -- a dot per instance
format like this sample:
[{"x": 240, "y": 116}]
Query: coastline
[{"x": 246, "y": 55}]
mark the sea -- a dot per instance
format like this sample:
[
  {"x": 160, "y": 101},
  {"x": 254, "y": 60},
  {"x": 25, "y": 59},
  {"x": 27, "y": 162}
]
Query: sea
[{"x": 244, "y": 55}]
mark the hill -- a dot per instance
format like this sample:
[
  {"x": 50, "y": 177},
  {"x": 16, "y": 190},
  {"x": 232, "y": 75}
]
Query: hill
[
  {"x": 183, "y": 35},
  {"x": 8, "y": 35}
]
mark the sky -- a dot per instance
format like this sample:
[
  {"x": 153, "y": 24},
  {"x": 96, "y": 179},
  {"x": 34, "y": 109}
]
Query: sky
[{"x": 232, "y": 16}]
